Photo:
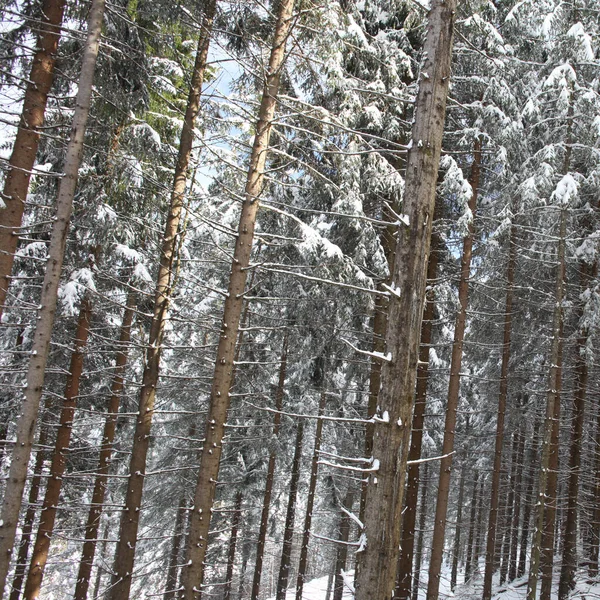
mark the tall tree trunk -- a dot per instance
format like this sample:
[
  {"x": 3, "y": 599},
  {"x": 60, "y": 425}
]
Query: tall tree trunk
[
  {"x": 509, "y": 509},
  {"x": 235, "y": 525},
  {"x": 595, "y": 525},
  {"x": 27, "y": 139},
  {"x": 377, "y": 564},
  {"x": 552, "y": 400},
  {"x": 13, "y": 495},
  {"x": 441, "y": 509},
  {"x": 290, "y": 517},
  {"x": 471, "y": 537},
  {"x": 108, "y": 435},
  {"x": 99, "y": 570},
  {"x": 173, "y": 567},
  {"x": 569, "y": 558},
  {"x": 28, "y": 522},
  {"x": 125, "y": 553},
  {"x": 342, "y": 549},
  {"x": 310, "y": 500},
  {"x": 409, "y": 517},
  {"x": 456, "y": 549},
  {"x": 516, "y": 515},
  {"x": 422, "y": 523},
  {"x": 223, "y": 374},
  {"x": 493, "y": 516},
  {"x": 477, "y": 550},
  {"x": 264, "y": 519},
  {"x": 45, "y": 531}
]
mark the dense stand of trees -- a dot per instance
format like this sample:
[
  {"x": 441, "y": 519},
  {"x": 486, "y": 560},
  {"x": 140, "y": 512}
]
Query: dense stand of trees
[{"x": 299, "y": 291}]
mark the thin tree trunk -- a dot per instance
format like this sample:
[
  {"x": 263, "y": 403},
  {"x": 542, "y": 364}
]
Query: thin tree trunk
[
  {"x": 223, "y": 374},
  {"x": 99, "y": 569},
  {"x": 552, "y": 401},
  {"x": 493, "y": 516},
  {"x": 514, "y": 541},
  {"x": 235, "y": 525},
  {"x": 509, "y": 509},
  {"x": 108, "y": 436},
  {"x": 471, "y": 537},
  {"x": 441, "y": 509},
  {"x": 422, "y": 523},
  {"x": 264, "y": 519},
  {"x": 22, "y": 158},
  {"x": 569, "y": 558},
  {"x": 312, "y": 486},
  {"x": 288, "y": 533},
  {"x": 409, "y": 517},
  {"x": 456, "y": 551},
  {"x": 377, "y": 563},
  {"x": 13, "y": 495},
  {"x": 45, "y": 531},
  {"x": 173, "y": 567},
  {"x": 342, "y": 549},
  {"x": 125, "y": 552},
  {"x": 595, "y": 525},
  {"x": 477, "y": 550}
]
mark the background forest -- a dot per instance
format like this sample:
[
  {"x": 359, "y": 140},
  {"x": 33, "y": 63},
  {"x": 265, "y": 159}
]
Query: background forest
[{"x": 202, "y": 225}]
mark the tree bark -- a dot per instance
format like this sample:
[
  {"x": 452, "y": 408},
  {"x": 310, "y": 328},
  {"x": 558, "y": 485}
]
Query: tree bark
[
  {"x": 235, "y": 525},
  {"x": 223, "y": 375},
  {"x": 503, "y": 393},
  {"x": 509, "y": 509},
  {"x": 569, "y": 558},
  {"x": 312, "y": 486},
  {"x": 45, "y": 531},
  {"x": 471, "y": 537},
  {"x": 125, "y": 553},
  {"x": 377, "y": 564},
  {"x": 264, "y": 519},
  {"x": 422, "y": 523},
  {"x": 108, "y": 435},
  {"x": 290, "y": 517},
  {"x": 41, "y": 340},
  {"x": 173, "y": 567},
  {"x": 441, "y": 509},
  {"x": 516, "y": 515},
  {"x": 456, "y": 549},
  {"x": 342, "y": 549},
  {"x": 22, "y": 158},
  {"x": 595, "y": 525},
  {"x": 407, "y": 545}
]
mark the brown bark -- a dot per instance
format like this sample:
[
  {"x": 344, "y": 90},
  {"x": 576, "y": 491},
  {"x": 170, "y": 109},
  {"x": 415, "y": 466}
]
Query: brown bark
[
  {"x": 27, "y": 139},
  {"x": 264, "y": 519},
  {"x": 223, "y": 375},
  {"x": 45, "y": 531},
  {"x": 471, "y": 537},
  {"x": 342, "y": 549},
  {"x": 108, "y": 436},
  {"x": 290, "y": 517},
  {"x": 422, "y": 523},
  {"x": 312, "y": 486},
  {"x": 569, "y": 557},
  {"x": 125, "y": 553},
  {"x": 407, "y": 545},
  {"x": 456, "y": 548},
  {"x": 441, "y": 509},
  {"x": 550, "y": 437},
  {"x": 13, "y": 495},
  {"x": 493, "y": 516},
  {"x": 173, "y": 567},
  {"x": 235, "y": 525},
  {"x": 377, "y": 563}
]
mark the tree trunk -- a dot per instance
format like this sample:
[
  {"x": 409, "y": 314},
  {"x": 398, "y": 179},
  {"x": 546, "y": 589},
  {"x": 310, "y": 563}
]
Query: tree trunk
[
  {"x": 108, "y": 436},
  {"x": 27, "y": 139},
  {"x": 477, "y": 550},
  {"x": 552, "y": 407},
  {"x": 99, "y": 570},
  {"x": 509, "y": 509},
  {"x": 342, "y": 549},
  {"x": 223, "y": 375},
  {"x": 377, "y": 564},
  {"x": 45, "y": 531},
  {"x": 125, "y": 553},
  {"x": 13, "y": 495},
  {"x": 441, "y": 509},
  {"x": 288, "y": 534},
  {"x": 456, "y": 550},
  {"x": 422, "y": 523},
  {"x": 595, "y": 525},
  {"x": 493, "y": 516},
  {"x": 312, "y": 486},
  {"x": 569, "y": 558},
  {"x": 235, "y": 525},
  {"x": 178, "y": 533},
  {"x": 28, "y": 522},
  {"x": 471, "y": 537},
  {"x": 516, "y": 515},
  {"x": 264, "y": 519},
  {"x": 407, "y": 545}
]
